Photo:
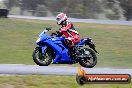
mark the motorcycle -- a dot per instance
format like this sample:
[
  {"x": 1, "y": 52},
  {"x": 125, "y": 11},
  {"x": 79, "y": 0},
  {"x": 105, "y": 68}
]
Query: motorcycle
[{"x": 51, "y": 48}]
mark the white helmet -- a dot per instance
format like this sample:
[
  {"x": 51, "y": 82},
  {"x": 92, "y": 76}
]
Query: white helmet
[{"x": 60, "y": 18}]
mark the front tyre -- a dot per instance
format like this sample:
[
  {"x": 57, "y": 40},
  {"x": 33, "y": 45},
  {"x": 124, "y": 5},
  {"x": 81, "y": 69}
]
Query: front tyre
[
  {"x": 89, "y": 60},
  {"x": 42, "y": 59}
]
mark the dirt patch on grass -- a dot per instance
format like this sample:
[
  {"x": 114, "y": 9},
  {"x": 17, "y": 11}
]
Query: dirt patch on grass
[{"x": 6, "y": 86}]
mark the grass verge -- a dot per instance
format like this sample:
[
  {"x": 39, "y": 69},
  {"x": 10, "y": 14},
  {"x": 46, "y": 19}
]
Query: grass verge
[{"x": 50, "y": 82}]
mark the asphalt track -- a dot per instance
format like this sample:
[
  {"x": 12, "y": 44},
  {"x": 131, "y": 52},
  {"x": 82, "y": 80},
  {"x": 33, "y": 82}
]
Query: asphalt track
[
  {"x": 20, "y": 69},
  {"x": 97, "y": 21}
]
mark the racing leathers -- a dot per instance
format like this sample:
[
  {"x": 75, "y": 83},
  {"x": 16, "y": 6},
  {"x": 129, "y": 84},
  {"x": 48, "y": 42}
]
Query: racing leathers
[{"x": 72, "y": 36}]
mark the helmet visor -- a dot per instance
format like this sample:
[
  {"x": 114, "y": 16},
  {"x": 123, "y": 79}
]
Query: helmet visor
[{"x": 58, "y": 19}]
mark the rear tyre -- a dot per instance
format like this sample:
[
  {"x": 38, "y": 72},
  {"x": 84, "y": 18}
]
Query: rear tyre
[
  {"x": 90, "y": 61},
  {"x": 42, "y": 59}
]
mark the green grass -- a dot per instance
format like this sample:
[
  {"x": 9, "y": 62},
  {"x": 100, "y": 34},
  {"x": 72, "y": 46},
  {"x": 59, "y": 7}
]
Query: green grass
[
  {"x": 50, "y": 82},
  {"x": 18, "y": 36}
]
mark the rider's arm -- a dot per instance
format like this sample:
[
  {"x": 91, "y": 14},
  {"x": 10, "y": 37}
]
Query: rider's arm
[
  {"x": 59, "y": 33},
  {"x": 66, "y": 28}
]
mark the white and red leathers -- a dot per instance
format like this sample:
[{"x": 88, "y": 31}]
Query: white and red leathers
[
  {"x": 70, "y": 33},
  {"x": 67, "y": 29}
]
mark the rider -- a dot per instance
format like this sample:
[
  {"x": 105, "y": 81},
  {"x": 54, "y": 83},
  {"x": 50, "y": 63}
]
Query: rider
[{"x": 67, "y": 29}]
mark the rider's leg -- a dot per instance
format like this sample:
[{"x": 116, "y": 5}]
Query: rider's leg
[{"x": 68, "y": 42}]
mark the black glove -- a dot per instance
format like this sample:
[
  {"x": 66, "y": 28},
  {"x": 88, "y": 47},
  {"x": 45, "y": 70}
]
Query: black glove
[
  {"x": 48, "y": 29},
  {"x": 53, "y": 34},
  {"x": 59, "y": 33}
]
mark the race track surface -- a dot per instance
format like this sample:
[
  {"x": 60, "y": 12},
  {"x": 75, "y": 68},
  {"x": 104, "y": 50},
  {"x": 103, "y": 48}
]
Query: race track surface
[
  {"x": 20, "y": 69},
  {"x": 97, "y": 21}
]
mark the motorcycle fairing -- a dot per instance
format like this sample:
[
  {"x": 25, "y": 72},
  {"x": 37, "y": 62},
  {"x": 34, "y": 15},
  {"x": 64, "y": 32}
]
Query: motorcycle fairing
[{"x": 60, "y": 49}]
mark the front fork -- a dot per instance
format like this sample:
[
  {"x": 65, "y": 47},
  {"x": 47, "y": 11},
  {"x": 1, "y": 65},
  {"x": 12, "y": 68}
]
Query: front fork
[{"x": 42, "y": 48}]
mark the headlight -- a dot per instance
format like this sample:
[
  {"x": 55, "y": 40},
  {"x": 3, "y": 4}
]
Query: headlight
[{"x": 38, "y": 40}]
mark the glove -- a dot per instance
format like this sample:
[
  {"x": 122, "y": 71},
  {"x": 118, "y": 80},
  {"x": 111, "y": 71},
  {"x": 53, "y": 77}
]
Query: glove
[
  {"x": 59, "y": 33},
  {"x": 48, "y": 29},
  {"x": 53, "y": 34}
]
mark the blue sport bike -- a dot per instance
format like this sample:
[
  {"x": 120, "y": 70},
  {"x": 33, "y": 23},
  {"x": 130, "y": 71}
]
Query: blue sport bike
[{"x": 52, "y": 49}]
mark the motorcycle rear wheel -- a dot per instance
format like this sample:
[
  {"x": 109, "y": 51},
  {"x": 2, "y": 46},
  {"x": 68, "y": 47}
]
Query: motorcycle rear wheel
[
  {"x": 42, "y": 60},
  {"x": 85, "y": 62}
]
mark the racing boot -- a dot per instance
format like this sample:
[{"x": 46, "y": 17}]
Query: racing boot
[{"x": 73, "y": 51}]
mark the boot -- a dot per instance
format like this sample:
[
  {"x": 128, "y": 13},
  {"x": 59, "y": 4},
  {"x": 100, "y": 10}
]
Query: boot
[{"x": 73, "y": 51}]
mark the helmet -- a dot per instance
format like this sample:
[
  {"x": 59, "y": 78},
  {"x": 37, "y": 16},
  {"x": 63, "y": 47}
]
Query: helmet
[{"x": 61, "y": 17}]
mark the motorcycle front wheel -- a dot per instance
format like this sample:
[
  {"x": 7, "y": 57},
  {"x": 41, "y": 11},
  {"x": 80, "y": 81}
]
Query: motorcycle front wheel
[
  {"x": 90, "y": 60},
  {"x": 42, "y": 59}
]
